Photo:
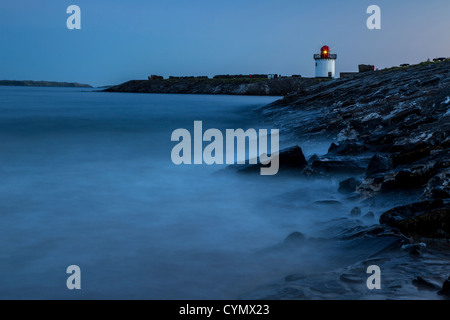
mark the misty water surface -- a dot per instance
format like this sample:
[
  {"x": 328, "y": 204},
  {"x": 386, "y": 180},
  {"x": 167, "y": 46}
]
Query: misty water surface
[{"x": 87, "y": 179}]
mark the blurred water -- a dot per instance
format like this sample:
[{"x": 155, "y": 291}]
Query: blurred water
[{"x": 87, "y": 179}]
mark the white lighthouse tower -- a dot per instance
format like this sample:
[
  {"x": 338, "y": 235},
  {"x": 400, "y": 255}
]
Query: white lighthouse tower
[{"x": 325, "y": 63}]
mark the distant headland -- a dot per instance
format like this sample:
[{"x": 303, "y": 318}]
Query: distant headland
[
  {"x": 31, "y": 83},
  {"x": 256, "y": 85}
]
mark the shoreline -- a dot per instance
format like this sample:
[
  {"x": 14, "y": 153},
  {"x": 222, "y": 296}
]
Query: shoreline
[{"x": 391, "y": 142}]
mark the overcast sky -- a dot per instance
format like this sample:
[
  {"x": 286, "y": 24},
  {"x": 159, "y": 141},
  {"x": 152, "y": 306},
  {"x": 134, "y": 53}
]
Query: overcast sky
[{"x": 122, "y": 40}]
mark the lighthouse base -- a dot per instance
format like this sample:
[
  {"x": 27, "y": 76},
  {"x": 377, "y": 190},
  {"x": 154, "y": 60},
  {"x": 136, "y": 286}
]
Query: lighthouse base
[{"x": 325, "y": 68}]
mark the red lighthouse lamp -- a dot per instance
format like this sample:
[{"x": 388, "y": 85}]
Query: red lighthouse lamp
[{"x": 325, "y": 52}]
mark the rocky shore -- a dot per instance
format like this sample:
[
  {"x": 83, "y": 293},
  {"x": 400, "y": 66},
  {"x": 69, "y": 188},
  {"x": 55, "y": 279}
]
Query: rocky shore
[
  {"x": 391, "y": 132},
  {"x": 255, "y": 87}
]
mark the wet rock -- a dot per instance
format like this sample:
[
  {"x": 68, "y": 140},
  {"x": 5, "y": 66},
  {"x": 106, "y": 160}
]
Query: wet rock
[
  {"x": 394, "y": 216},
  {"x": 356, "y": 212},
  {"x": 313, "y": 158},
  {"x": 295, "y": 238},
  {"x": 409, "y": 157},
  {"x": 415, "y": 249},
  {"x": 395, "y": 114},
  {"x": 349, "y": 185},
  {"x": 361, "y": 232},
  {"x": 328, "y": 202},
  {"x": 445, "y": 291},
  {"x": 369, "y": 216},
  {"x": 370, "y": 186},
  {"x": 290, "y": 160},
  {"x": 347, "y": 148},
  {"x": 441, "y": 192},
  {"x": 429, "y": 219},
  {"x": 378, "y": 164},
  {"x": 351, "y": 278},
  {"x": 338, "y": 166},
  {"x": 424, "y": 284},
  {"x": 409, "y": 178},
  {"x": 439, "y": 186},
  {"x": 432, "y": 224}
]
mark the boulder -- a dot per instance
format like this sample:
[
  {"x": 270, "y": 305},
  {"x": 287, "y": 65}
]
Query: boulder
[
  {"x": 369, "y": 216},
  {"x": 432, "y": 224},
  {"x": 415, "y": 249},
  {"x": 349, "y": 185},
  {"x": 445, "y": 291},
  {"x": 439, "y": 186},
  {"x": 291, "y": 159},
  {"x": 356, "y": 212},
  {"x": 378, "y": 164},
  {"x": 412, "y": 154},
  {"x": 424, "y": 284},
  {"x": 338, "y": 166},
  {"x": 409, "y": 178},
  {"x": 347, "y": 148},
  {"x": 295, "y": 238},
  {"x": 394, "y": 216}
]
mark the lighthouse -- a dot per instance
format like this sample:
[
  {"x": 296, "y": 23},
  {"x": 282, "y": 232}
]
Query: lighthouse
[{"x": 325, "y": 63}]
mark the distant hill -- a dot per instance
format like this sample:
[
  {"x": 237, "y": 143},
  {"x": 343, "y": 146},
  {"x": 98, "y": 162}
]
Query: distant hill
[{"x": 30, "y": 83}]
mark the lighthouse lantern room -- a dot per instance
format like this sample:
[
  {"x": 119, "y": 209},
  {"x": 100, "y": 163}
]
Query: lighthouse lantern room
[{"x": 325, "y": 63}]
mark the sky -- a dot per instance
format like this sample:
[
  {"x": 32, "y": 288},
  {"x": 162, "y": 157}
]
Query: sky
[{"x": 123, "y": 40}]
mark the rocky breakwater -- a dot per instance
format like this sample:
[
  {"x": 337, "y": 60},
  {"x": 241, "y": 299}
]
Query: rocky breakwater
[
  {"x": 256, "y": 87},
  {"x": 391, "y": 126},
  {"x": 391, "y": 131}
]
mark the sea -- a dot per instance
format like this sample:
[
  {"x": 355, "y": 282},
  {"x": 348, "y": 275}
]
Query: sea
[{"x": 86, "y": 179}]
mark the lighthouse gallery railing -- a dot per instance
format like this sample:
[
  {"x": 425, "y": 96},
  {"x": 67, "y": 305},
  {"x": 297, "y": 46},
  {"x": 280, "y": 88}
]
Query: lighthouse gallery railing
[{"x": 332, "y": 56}]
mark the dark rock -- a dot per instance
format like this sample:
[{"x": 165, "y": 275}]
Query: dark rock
[
  {"x": 410, "y": 137},
  {"x": 347, "y": 148},
  {"x": 313, "y": 158},
  {"x": 408, "y": 179},
  {"x": 394, "y": 216},
  {"x": 369, "y": 216},
  {"x": 415, "y": 249},
  {"x": 356, "y": 212},
  {"x": 424, "y": 284},
  {"x": 439, "y": 186},
  {"x": 423, "y": 219},
  {"x": 378, "y": 164},
  {"x": 412, "y": 156},
  {"x": 430, "y": 82},
  {"x": 295, "y": 238},
  {"x": 441, "y": 192},
  {"x": 445, "y": 291},
  {"x": 349, "y": 185},
  {"x": 364, "y": 232},
  {"x": 432, "y": 224},
  {"x": 290, "y": 160},
  {"x": 338, "y": 166},
  {"x": 351, "y": 278},
  {"x": 328, "y": 202}
]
